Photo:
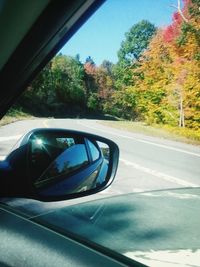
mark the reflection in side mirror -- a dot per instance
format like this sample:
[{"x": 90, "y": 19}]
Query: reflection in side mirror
[{"x": 64, "y": 164}]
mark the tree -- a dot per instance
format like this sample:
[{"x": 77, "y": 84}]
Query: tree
[
  {"x": 93, "y": 102},
  {"x": 184, "y": 42},
  {"x": 90, "y": 61},
  {"x": 68, "y": 74},
  {"x": 99, "y": 84},
  {"x": 89, "y": 77},
  {"x": 165, "y": 83},
  {"x": 107, "y": 65},
  {"x": 39, "y": 93},
  {"x": 123, "y": 75},
  {"x": 136, "y": 41}
]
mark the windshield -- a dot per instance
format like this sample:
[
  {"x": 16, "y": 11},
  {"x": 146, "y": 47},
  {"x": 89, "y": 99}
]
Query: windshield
[{"x": 130, "y": 74}]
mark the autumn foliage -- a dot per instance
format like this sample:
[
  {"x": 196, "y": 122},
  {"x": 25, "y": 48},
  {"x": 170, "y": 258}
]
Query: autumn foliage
[
  {"x": 156, "y": 79},
  {"x": 167, "y": 77}
]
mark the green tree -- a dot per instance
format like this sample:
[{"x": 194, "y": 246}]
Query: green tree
[
  {"x": 68, "y": 74},
  {"x": 38, "y": 94},
  {"x": 93, "y": 102},
  {"x": 136, "y": 41},
  {"x": 107, "y": 66}
]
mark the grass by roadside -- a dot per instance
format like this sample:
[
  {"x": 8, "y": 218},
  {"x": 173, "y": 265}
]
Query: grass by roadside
[
  {"x": 172, "y": 133},
  {"x": 14, "y": 115}
]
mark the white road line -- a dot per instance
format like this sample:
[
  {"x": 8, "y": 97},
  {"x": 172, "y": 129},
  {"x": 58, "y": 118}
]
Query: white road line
[
  {"x": 45, "y": 124},
  {"x": 158, "y": 174},
  {"x": 6, "y": 138},
  {"x": 141, "y": 140}
]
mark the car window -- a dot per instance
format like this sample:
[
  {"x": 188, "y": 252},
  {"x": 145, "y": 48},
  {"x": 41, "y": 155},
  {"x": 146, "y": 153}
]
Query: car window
[
  {"x": 130, "y": 74},
  {"x": 59, "y": 155},
  {"x": 59, "y": 165},
  {"x": 94, "y": 151}
]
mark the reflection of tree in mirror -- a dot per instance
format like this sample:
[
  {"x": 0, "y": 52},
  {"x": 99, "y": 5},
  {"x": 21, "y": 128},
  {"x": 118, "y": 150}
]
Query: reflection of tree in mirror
[
  {"x": 56, "y": 170},
  {"x": 65, "y": 142},
  {"x": 104, "y": 149},
  {"x": 106, "y": 152},
  {"x": 68, "y": 168}
]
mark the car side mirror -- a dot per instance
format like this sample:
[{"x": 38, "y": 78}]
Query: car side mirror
[{"x": 58, "y": 164}]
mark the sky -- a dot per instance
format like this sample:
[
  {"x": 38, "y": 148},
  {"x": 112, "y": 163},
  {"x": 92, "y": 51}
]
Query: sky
[{"x": 101, "y": 36}]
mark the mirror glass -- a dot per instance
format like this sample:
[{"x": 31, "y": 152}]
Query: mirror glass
[{"x": 63, "y": 163}]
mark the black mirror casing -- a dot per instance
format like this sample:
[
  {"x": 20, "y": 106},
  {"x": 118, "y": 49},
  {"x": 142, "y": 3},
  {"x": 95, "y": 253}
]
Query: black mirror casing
[{"x": 58, "y": 164}]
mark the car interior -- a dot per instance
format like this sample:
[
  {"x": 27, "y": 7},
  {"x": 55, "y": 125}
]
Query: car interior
[{"x": 50, "y": 212}]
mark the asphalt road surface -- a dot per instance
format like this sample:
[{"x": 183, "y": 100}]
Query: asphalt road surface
[{"x": 146, "y": 163}]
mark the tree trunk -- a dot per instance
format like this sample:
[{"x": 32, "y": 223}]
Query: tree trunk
[{"x": 181, "y": 114}]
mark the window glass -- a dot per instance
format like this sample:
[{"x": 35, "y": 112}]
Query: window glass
[
  {"x": 53, "y": 155},
  {"x": 94, "y": 151},
  {"x": 105, "y": 150},
  {"x": 73, "y": 158},
  {"x": 132, "y": 77}
]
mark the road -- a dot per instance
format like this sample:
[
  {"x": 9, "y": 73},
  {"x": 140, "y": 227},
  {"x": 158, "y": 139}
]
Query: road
[{"x": 146, "y": 163}]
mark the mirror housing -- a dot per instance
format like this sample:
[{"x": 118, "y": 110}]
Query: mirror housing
[{"x": 58, "y": 164}]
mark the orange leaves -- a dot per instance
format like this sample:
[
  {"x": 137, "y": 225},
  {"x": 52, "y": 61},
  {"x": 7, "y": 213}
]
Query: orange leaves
[
  {"x": 169, "y": 82},
  {"x": 89, "y": 68}
]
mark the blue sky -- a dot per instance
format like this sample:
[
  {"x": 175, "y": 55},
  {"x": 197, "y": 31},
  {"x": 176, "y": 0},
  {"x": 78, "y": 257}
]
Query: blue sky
[{"x": 100, "y": 37}]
